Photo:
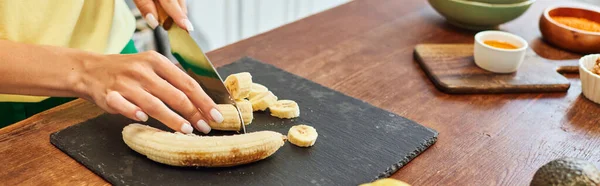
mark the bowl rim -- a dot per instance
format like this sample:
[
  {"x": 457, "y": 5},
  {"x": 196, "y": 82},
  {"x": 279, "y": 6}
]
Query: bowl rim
[
  {"x": 508, "y": 34},
  {"x": 587, "y": 71},
  {"x": 476, "y": 3},
  {"x": 549, "y": 18}
]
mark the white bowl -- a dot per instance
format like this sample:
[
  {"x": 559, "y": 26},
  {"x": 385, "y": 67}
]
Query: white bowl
[
  {"x": 590, "y": 82},
  {"x": 499, "y": 60}
]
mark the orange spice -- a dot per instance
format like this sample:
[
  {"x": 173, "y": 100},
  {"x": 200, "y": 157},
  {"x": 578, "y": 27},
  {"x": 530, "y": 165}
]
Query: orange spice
[
  {"x": 500, "y": 44},
  {"x": 578, "y": 23}
]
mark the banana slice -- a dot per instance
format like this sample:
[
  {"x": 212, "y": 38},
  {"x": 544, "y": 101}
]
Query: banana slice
[
  {"x": 231, "y": 120},
  {"x": 263, "y": 100},
  {"x": 257, "y": 89},
  {"x": 386, "y": 182},
  {"x": 246, "y": 109},
  {"x": 302, "y": 135},
  {"x": 285, "y": 109},
  {"x": 239, "y": 85},
  {"x": 178, "y": 149}
]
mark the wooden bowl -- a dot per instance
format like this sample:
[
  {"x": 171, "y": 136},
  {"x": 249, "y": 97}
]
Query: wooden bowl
[{"x": 569, "y": 38}]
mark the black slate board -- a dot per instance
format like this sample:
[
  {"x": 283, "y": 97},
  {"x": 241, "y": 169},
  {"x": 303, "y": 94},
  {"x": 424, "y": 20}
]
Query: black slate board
[{"x": 357, "y": 142}]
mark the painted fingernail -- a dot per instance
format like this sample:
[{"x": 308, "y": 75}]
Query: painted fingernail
[
  {"x": 141, "y": 116},
  {"x": 188, "y": 25},
  {"x": 151, "y": 20},
  {"x": 187, "y": 128},
  {"x": 216, "y": 115},
  {"x": 203, "y": 126}
]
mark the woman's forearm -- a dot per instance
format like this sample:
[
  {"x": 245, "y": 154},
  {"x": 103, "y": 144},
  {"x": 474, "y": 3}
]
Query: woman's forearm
[
  {"x": 27, "y": 69},
  {"x": 136, "y": 85}
]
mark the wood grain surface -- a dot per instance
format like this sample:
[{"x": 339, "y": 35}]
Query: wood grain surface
[
  {"x": 364, "y": 49},
  {"x": 452, "y": 69}
]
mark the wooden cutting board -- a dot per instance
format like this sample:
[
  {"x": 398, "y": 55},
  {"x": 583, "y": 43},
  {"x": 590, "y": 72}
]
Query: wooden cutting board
[
  {"x": 452, "y": 69},
  {"x": 357, "y": 141}
]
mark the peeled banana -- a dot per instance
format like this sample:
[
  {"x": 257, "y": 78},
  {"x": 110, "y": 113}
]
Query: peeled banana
[
  {"x": 285, "y": 109},
  {"x": 179, "y": 149},
  {"x": 263, "y": 100},
  {"x": 231, "y": 120},
  {"x": 386, "y": 182},
  {"x": 302, "y": 135},
  {"x": 246, "y": 109},
  {"x": 257, "y": 89},
  {"x": 239, "y": 85}
]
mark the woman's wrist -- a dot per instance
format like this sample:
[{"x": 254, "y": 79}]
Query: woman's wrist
[{"x": 77, "y": 79}]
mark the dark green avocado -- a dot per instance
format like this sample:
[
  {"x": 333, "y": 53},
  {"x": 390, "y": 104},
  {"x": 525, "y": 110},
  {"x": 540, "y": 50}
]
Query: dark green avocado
[{"x": 567, "y": 172}]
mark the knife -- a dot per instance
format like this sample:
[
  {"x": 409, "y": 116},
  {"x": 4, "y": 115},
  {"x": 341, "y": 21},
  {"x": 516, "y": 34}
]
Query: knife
[{"x": 196, "y": 64}]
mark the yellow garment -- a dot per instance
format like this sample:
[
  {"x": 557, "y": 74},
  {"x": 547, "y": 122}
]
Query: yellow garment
[{"x": 101, "y": 26}]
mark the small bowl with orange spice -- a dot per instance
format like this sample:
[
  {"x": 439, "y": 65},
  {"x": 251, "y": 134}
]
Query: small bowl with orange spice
[
  {"x": 499, "y": 52},
  {"x": 575, "y": 29}
]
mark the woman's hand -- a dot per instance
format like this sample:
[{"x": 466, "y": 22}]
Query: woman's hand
[
  {"x": 133, "y": 85},
  {"x": 176, "y": 9},
  {"x": 141, "y": 81}
]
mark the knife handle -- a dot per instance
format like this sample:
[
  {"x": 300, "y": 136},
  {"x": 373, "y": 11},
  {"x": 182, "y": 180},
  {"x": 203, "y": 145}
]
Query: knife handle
[{"x": 163, "y": 18}]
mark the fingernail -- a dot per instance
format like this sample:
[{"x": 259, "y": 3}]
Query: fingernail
[
  {"x": 141, "y": 116},
  {"x": 187, "y": 128},
  {"x": 151, "y": 20},
  {"x": 203, "y": 126},
  {"x": 216, "y": 115},
  {"x": 188, "y": 25}
]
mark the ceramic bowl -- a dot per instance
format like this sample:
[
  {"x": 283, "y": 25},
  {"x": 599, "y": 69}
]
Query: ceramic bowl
[
  {"x": 499, "y": 1},
  {"x": 568, "y": 38},
  {"x": 590, "y": 82},
  {"x": 479, "y": 16},
  {"x": 499, "y": 60}
]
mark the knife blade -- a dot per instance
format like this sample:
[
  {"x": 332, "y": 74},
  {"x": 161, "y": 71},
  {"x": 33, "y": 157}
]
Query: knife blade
[{"x": 196, "y": 64}]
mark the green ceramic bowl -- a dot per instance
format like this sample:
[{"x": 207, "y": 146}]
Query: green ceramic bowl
[
  {"x": 499, "y": 1},
  {"x": 479, "y": 16}
]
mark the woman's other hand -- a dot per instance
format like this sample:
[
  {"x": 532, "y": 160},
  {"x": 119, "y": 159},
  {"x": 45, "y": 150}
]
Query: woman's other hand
[{"x": 176, "y": 9}]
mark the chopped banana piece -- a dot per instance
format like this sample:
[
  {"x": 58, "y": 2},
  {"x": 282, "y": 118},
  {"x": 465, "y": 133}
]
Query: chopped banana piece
[
  {"x": 246, "y": 109},
  {"x": 302, "y": 135},
  {"x": 263, "y": 100},
  {"x": 285, "y": 109},
  {"x": 257, "y": 89},
  {"x": 239, "y": 85},
  {"x": 386, "y": 182},
  {"x": 201, "y": 151},
  {"x": 231, "y": 120}
]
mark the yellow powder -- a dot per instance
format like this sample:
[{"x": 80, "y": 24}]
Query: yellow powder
[
  {"x": 500, "y": 44},
  {"x": 578, "y": 23}
]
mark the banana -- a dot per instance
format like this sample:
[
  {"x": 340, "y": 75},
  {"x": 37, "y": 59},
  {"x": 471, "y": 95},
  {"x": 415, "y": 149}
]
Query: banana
[
  {"x": 285, "y": 109},
  {"x": 386, "y": 182},
  {"x": 263, "y": 100},
  {"x": 231, "y": 120},
  {"x": 246, "y": 109},
  {"x": 302, "y": 135},
  {"x": 239, "y": 85},
  {"x": 257, "y": 89},
  {"x": 178, "y": 149}
]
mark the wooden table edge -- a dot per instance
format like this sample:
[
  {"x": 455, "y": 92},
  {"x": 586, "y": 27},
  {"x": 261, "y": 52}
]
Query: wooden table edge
[{"x": 36, "y": 117}]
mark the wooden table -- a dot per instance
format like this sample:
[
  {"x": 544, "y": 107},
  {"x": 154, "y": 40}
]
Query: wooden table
[{"x": 364, "y": 49}]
